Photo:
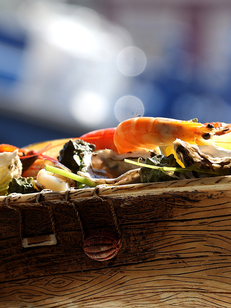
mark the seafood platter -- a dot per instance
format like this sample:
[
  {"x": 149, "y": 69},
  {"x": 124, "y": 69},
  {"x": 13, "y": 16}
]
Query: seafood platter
[{"x": 133, "y": 216}]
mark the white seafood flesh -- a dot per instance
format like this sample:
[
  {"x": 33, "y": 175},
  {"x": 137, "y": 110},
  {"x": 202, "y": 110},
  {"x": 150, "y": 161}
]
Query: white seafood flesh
[
  {"x": 10, "y": 167},
  {"x": 49, "y": 181}
]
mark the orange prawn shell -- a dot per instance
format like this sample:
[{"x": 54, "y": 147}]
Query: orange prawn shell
[{"x": 149, "y": 133}]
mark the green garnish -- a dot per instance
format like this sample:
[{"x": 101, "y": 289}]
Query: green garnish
[
  {"x": 168, "y": 169},
  {"x": 71, "y": 175},
  {"x": 22, "y": 186},
  {"x": 73, "y": 155}
]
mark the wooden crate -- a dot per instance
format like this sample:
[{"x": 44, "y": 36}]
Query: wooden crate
[{"x": 176, "y": 248}]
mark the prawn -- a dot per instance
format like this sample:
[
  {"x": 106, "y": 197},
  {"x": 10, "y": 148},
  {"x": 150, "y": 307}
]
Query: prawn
[{"x": 150, "y": 133}]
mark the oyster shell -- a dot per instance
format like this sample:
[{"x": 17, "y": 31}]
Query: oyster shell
[
  {"x": 109, "y": 164},
  {"x": 205, "y": 158},
  {"x": 108, "y": 167}
]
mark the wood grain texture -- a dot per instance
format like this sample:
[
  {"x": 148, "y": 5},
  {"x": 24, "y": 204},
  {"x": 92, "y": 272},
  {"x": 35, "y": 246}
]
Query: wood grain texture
[{"x": 176, "y": 247}]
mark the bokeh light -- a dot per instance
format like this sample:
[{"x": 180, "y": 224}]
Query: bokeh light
[
  {"x": 71, "y": 66},
  {"x": 89, "y": 109},
  {"x": 131, "y": 61},
  {"x": 128, "y": 107}
]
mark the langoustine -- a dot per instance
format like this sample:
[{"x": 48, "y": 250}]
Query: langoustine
[{"x": 148, "y": 132}]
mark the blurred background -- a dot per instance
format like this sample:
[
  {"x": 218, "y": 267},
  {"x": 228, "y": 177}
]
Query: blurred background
[{"x": 69, "y": 67}]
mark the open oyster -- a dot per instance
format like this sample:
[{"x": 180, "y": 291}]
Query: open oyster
[
  {"x": 108, "y": 167},
  {"x": 205, "y": 158},
  {"x": 109, "y": 164}
]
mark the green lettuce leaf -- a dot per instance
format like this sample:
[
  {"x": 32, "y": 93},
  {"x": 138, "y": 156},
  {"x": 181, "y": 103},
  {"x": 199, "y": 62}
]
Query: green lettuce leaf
[
  {"x": 158, "y": 175},
  {"x": 22, "y": 185},
  {"x": 73, "y": 154}
]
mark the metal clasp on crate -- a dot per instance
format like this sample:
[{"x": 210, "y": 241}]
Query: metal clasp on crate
[{"x": 41, "y": 240}]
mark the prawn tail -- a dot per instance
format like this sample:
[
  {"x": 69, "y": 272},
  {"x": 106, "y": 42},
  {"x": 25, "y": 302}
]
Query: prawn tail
[{"x": 102, "y": 138}]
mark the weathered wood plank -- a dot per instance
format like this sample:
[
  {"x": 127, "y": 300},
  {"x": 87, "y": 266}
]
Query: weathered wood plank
[
  {"x": 186, "y": 228},
  {"x": 204, "y": 280},
  {"x": 176, "y": 248}
]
